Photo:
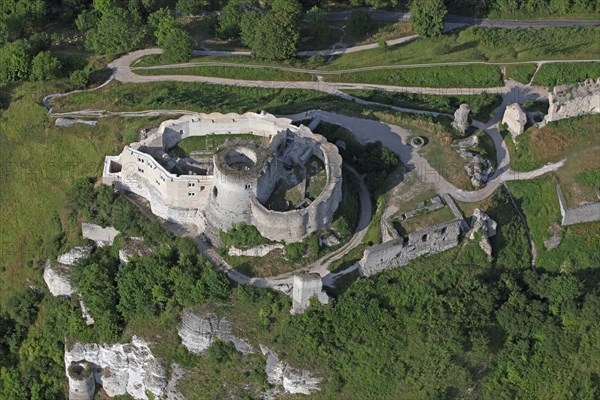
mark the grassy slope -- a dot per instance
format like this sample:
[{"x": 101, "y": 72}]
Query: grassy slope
[
  {"x": 557, "y": 74},
  {"x": 39, "y": 163},
  {"x": 539, "y": 203},
  {"x": 575, "y": 139}
]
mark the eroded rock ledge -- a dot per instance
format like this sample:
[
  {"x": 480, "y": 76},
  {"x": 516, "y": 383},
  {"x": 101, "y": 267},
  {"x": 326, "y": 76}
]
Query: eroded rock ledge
[{"x": 197, "y": 332}]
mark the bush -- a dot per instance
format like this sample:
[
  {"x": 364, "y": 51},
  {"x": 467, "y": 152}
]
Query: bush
[
  {"x": 177, "y": 46},
  {"x": 44, "y": 67},
  {"x": 428, "y": 17},
  {"x": 360, "y": 23},
  {"x": 80, "y": 78},
  {"x": 242, "y": 236},
  {"x": 295, "y": 251}
]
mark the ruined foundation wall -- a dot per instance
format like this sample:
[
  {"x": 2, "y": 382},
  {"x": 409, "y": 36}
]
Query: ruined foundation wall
[
  {"x": 396, "y": 253},
  {"x": 589, "y": 212}
]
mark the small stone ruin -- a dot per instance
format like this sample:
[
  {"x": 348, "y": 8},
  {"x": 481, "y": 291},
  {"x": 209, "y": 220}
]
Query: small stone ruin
[
  {"x": 306, "y": 286},
  {"x": 569, "y": 101}
]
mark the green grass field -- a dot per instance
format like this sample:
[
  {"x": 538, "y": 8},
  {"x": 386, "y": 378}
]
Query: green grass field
[
  {"x": 40, "y": 162},
  {"x": 520, "y": 72},
  {"x": 558, "y": 74},
  {"x": 445, "y": 77},
  {"x": 574, "y": 139},
  {"x": 256, "y": 74}
]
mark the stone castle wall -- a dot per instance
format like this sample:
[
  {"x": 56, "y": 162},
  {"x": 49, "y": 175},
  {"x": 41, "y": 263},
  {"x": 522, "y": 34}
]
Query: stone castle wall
[
  {"x": 396, "y": 253},
  {"x": 227, "y": 197},
  {"x": 295, "y": 225}
]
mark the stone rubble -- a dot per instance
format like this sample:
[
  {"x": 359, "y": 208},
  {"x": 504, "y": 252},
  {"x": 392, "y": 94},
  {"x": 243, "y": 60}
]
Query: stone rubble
[
  {"x": 556, "y": 237},
  {"x": 515, "y": 120},
  {"x": 133, "y": 247},
  {"x": 292, "y": 380},
  {"x": 122, "y": 368},
  {"x": 461, "y": 118},
  {"x": 198, "y": 331}
]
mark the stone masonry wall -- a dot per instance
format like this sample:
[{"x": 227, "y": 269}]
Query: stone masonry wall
[{"x": 396, "y": 253}]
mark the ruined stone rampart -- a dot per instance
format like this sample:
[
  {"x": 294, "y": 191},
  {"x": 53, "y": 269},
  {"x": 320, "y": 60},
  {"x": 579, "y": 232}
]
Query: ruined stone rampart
[
  {"x": 396, "y": 253},
  {"x": 589, "y": 212},
  {"x": 569, "y": 101}
]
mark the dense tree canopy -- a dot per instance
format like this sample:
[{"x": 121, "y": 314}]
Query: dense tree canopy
[
  {"x": 428, "y": 17},
  {"x": 44, "y": 67},
  {"x": 117, "y": 31}
]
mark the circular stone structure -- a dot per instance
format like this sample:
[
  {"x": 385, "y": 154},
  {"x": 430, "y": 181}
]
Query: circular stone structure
[
  {"x": 237, "y": 184},
  {"x": 81, "y": 381},
  {"x": 417, "y": 142}
]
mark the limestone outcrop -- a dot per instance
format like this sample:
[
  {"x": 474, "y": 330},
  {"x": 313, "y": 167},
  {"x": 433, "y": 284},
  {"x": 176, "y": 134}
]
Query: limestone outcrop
[
  {"x": 198, "y": 331},
  {"x": 461, "y": 118},
  {"x": 306, "y": 286},
  {"x": 484, "y": 226},
  {"x": 292, "y": 380},
  {"x": 57, "y": 279},
  {"x": 478, "y": 168},
  {"x": 121, "y": 368},
  {"x": 101, "y": 236},
  {"x": 133, "y": 247},
  {"x": 569, "y": 101},
  {"x": 60, "y": 121},
  {"x": 515, "y": 120},
  {"x": 76, "y": 253}
]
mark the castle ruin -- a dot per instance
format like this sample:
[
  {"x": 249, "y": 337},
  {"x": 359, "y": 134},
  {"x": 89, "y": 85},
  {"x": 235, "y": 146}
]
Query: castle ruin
[{"x": 233, "y": 184}]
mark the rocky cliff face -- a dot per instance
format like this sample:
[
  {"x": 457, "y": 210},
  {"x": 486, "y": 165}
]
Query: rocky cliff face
[
  {"x": 57, "y": 279},
  {"x": 461, "y": 118},
  {"x": 122, "y": 368},
  {"x": 515, "y": 119},
  {"x": 481, "y": 222},
  {"x": 568, "y": 101},
  {"x": 76, "y": 253},
  {"x": 292, "y": 380},
  {"x": 197, "y": 332}
]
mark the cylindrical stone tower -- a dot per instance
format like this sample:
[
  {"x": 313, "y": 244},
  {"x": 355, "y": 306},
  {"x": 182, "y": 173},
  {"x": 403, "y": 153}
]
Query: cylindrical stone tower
[
  {"x": 237, "y": 167},
  {"x": 81, "y": 381}
]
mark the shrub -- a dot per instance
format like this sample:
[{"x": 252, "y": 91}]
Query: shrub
[
  {"x": 44, "y": 67},
  {"x": 295, "y": 251},
  {"x": 80, "y": 77},
  {"x": 243, "y": 236},
  {"x": 360, "y": 23}
]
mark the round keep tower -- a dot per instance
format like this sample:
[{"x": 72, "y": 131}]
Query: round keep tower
[
  {"x": 81, "y": 381},
  {"x": 238, "y": 166}
]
